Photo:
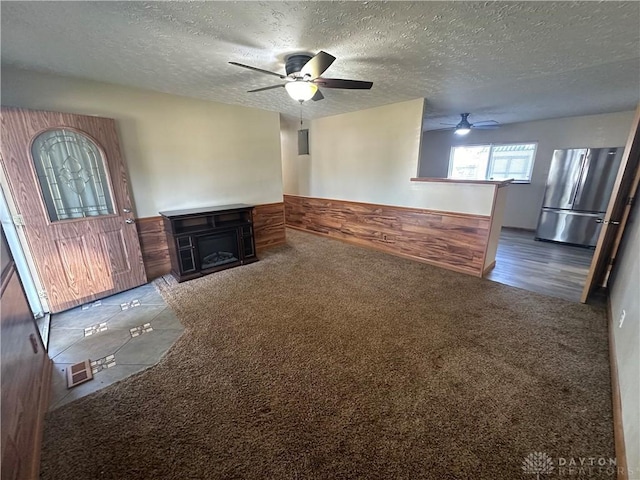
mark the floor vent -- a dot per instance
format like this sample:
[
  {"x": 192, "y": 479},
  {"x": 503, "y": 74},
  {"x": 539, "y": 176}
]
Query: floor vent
[{"x": 79, "y": 373}]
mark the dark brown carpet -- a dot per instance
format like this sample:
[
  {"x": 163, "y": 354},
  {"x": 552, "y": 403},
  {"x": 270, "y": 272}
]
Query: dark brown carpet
[{"x": 328, "y": 361}]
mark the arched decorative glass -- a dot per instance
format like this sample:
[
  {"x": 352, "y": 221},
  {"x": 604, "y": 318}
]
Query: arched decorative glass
[{"x": 72, "y": 175}]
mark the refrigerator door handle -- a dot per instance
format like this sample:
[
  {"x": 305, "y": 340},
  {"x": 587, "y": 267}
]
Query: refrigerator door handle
[
  {"x": 574, "y": 213},
  {"x": 584, "y": 172},
  {"x": 576, "y": 193}
]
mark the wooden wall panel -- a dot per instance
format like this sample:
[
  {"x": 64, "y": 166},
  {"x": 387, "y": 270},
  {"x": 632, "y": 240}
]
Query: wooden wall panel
[
  {"x": 153, "y": 243},
  {"x": 268, "y": 224},
  {"x": 454, "y": 241}
]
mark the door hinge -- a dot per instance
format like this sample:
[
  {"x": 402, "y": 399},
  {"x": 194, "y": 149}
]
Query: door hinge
[
  {"x": 18, "y": 220},
  {"x": 611, "y": 262},
  {"x": 42, "y": 294},
  {"x": 630, "y": 200},
  {"x": 34, "y": 342}
]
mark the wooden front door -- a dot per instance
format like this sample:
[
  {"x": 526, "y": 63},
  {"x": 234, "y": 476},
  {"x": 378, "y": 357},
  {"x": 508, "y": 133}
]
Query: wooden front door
[
  {"x": 68, "y": 181},
  {"x": 615, "y": 219},
  {"x": 24, "y": 370}
]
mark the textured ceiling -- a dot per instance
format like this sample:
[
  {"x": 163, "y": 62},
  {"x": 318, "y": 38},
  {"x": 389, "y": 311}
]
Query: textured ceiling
[{"x": 508, "y": 61}]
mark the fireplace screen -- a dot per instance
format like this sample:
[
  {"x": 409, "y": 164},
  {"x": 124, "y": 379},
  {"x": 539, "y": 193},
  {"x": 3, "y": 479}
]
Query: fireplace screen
[{"x": 218, "y": 249}]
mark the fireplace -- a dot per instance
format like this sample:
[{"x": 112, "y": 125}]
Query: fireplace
[
  {"x": 217, "y": 249},
  {"x": 204, "y": 240}
]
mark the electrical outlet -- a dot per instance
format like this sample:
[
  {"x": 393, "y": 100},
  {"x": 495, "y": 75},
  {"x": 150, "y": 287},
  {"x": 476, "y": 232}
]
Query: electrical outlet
[{"x": 622, "y": 315}]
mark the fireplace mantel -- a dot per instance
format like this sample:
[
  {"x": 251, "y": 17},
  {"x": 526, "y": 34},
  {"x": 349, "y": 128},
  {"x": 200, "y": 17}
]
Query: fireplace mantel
[{"x": 205, "y": 240}]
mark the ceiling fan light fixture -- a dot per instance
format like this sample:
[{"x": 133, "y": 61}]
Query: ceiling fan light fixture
[
  {"x": 301, "y": 91},
  {"x": 462, "y": 131}
]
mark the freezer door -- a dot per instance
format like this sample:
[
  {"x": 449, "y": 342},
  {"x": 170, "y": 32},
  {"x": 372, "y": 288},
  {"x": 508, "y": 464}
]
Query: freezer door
[
  {"x": 597, "y": 178},
  {"x": 564, "y": 174},
  {"x": 569, "y": 227}
]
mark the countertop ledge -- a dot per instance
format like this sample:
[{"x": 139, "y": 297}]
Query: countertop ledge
[{"x": 499, "y": 183}]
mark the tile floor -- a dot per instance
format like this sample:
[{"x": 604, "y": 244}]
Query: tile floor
[{"x": 108, "y": 327}]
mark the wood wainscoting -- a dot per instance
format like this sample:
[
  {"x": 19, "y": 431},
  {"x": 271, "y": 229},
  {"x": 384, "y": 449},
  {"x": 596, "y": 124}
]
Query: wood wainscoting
[
  {"x": 153, "y": 243},
  {"x": 268, "y": 227},
  {"x": 450, "y": 240}
]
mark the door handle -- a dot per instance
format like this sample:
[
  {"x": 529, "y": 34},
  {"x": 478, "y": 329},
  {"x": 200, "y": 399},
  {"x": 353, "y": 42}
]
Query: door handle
[
  {"x": 126, "y": 210},
  {"x": 609, "y": 222},
  {"x": 129, "y": 220}
]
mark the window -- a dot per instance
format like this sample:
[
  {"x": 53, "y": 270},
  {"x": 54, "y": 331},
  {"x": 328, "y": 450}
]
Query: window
[
  {"x": 72, "y": 175},
  {"x": 493, "y": 162}
]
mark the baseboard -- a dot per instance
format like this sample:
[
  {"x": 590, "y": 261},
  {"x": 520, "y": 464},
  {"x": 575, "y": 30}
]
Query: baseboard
[
  {"x": 43, "y": 407},
  {"x": 618, "y": 429}
]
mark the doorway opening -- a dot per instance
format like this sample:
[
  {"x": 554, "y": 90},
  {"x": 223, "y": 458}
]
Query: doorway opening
[{"x": 554, "y": 269}]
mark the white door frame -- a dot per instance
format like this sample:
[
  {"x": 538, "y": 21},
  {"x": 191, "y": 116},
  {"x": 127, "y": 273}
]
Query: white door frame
[
  {"x": 619, "y": 206},
  {"x": 20, "y": 250}
]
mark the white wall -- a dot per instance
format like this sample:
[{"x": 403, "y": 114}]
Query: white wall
[
  {"x": 370, "y": 156},
  {"x": 625, "y": 295},
  {"x": 181, "y": 152},
  {"x": 525, "y": 200},
  {"x": 295, "y": 168}
]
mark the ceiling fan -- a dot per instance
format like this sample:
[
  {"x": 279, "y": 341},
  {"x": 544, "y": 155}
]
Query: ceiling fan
[
  {"x": 303, "y": 77},
  {"x": 464, "y": 126}
]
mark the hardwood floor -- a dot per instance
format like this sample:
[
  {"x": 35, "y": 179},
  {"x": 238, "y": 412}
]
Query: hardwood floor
[{"x": 549, "y": 268}]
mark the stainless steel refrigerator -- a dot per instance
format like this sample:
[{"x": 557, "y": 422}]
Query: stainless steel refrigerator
[{"x": 577, "y": 194}]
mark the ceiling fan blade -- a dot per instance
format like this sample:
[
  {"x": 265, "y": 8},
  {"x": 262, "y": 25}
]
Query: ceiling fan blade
[
  {"x": 440, "y": 129},
  {"x": 255, "y": 69},
  {"x": 317, "y": 96},
  {"x": 486, "y": 122},
  {"x": 484, "y": 127},
  {"x": 317, "y": 65},
  {"x": 339, "y": 83},
  {"x": 265, "y": 88},
  {"x": 450, "y": 124}
]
